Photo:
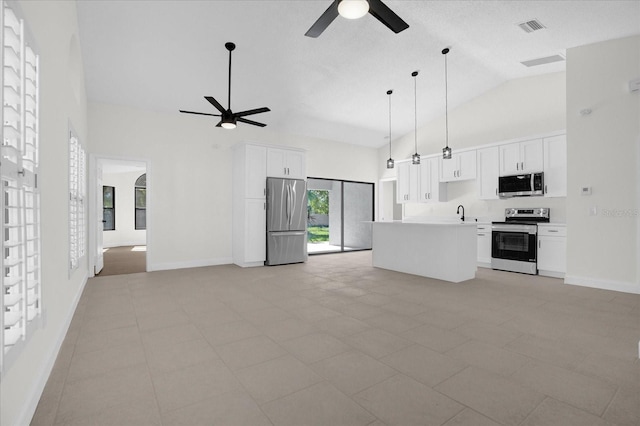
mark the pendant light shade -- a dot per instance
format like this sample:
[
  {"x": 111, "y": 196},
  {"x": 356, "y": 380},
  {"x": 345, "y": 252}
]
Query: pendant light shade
[
  {"x": 390, "y": 162},
  {"x": 415, "y": 158},
  {"x": 446, "y": 151},
  {"x": 353, "y": 9}
]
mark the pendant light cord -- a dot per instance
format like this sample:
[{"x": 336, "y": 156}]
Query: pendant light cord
[
  {"x": 415, "y": 108},
  {"x": 389, "y": 93},
  {"x": 446, "y": 101}
]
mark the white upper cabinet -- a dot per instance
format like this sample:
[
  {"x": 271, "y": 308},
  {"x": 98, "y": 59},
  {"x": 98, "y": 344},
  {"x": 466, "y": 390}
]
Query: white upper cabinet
[
  {"x": 408, "y": 176},
  {"x": 521, "y": 157},
  {"x": 431, "y": 190},
  {"x": 555, "y": 166},
  {"x": 488, "y": 167},
  {"x": 255, "y": 171},
  {"x": 286, "y": 163},
  {"x": 461, "y": 166}
]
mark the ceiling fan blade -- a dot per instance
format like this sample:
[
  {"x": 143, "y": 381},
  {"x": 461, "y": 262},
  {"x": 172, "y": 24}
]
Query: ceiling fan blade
[
  {"x": 199, "y": 113},
  {"x": 387, "y": 16},
  {"x": 324, "y": 20},
  {"x": 251, "y": 112},
  {"x": 255, "y": 123},
  {"x": 215, "y": 104}
]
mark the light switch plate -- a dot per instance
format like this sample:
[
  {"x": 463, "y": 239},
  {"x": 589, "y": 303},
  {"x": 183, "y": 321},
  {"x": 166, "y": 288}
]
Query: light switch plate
[
  {"x": 585, "y": 190},
  {"x": 593, "y": 211}
]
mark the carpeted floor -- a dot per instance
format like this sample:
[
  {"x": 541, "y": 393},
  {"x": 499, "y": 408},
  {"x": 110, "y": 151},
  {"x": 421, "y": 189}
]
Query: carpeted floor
[{"x": 124, "y": 260}]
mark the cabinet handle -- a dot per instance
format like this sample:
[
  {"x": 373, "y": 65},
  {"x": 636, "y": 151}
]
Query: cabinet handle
[
  {"x": 522, "y": 166},
  {"x": 426, "y": 195},
  {"x": 481, "y": 235},
  {"x": 552, "y": 230},
  {"x": 545, "y": 189},
  {"x": 496, "y": 191},
  {"x": 539, "y": 243}
]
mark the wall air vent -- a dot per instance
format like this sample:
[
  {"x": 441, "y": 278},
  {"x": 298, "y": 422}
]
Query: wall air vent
[
  {"x": 542, "y": 61},
  {"x": 531, "y": 26}
]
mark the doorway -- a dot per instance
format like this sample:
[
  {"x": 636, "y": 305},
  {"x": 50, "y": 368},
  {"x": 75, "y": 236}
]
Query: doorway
[
  {"x": 121, "y": 215},
  {"x": 339, "y": 215},
  {"x": 389, "y": 207}
]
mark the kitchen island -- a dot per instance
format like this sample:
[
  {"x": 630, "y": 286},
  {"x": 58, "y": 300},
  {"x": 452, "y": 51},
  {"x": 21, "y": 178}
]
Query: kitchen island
[{"x": 442, "y": 250}]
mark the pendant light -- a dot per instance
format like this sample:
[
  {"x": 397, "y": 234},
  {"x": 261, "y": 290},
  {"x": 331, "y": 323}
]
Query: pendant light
[
  {"x": 390, "y": 162},
  {"x": 446, "y": 151},
  {"x": 415, "y": 158}
]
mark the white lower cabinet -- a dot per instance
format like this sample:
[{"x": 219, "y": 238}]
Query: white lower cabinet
[
  {"x": 552, "y": 250},
  {"x": 484, "y": 245},
  {"x": 255, "y": 238}
]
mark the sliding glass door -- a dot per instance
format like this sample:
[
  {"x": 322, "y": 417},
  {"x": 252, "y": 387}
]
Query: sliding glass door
[{"x": 339, "y": 215}]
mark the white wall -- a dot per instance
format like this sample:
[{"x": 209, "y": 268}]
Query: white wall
[
  {"x": 190, "y": 175},
  {"x": 63, "y": 100},
  {"x": 519, "y": 108},
  {"x": 125, "y": 233},
  {"x": 603, "y": 154}
]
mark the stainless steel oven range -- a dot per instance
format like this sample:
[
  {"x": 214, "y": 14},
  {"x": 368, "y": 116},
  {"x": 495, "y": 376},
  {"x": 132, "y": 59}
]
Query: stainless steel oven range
[{"x": 514, "y": 241}]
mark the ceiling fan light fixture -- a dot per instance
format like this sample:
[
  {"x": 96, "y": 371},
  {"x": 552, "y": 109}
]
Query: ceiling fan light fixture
[
  {"x": 353, "y": 9},
  {"x": 228, "y": 125}
]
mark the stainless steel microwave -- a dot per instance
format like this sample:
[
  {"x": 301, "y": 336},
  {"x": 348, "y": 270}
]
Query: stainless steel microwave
[{"x": 526, "y": 185}]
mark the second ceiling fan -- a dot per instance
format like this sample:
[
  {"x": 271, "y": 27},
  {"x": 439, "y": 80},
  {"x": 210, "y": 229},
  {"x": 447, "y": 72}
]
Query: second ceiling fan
[
  {"x": 353, "y": 9},
  {"x": 228, "y": 118}
]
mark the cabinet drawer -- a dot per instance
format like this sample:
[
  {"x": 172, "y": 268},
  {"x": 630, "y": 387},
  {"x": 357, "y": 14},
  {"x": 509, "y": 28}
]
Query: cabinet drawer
[
  {"x": 484, "y": 228},
  {"x": 557, "y": 231}
]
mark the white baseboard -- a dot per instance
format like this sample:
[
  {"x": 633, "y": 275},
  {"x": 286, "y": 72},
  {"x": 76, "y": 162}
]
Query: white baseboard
[
  {"x": 189, "y": 264},
  {"x": 551, "y": 274},
  {"x": 622, "y": 286},
  {"x": 125, "y": 244},
  {"x": 31, "y": 403}
]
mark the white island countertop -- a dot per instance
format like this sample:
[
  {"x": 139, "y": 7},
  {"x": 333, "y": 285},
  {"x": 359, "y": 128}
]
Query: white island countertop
[{"x": 445, "y": 250}]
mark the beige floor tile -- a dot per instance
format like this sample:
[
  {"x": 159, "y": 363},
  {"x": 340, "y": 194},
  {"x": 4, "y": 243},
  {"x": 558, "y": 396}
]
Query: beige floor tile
[
  {"x": 315, "y": 347},
  {"x": 353, "y": 371},
  {"x": 321, "y": 405},
  {"x": 468, "y": 417},
  {"x": 489, "y": 357},
  {"x": 171, "y": 335},
  {"x": 101, "y": 340},
  {"x": 174, "y": 357},
  {"x": 251, "y": 351},
  {"x": 360, "y": 310},
  {"x": 377, "y": 343},
  {"x": 88, "y": 364},
  {"x": 154, "y": 304},
  {"x": 400, "y": 400},
  {"x": 612, "y": 369},
  {"x": 625, "y": 407},
  {"x": 587, "y": 393},
  {"x": 266, "y": 316},
  {"x": 552, "y": 412},
  {"x": 405, "y": 308},
  {"x": 342, "y": 325},
  {"x": 222, "y": 334},
  {"x": 489, "y": 333},
  {"x": 423, "y": 364},
  {"x": 436, "y": 338},
  {"x": 212, "y": 316},
  {"x": 547, "y": 350},
  {"x": 179, "y": 388},
  {"x": 89, "y": 396},
  {"x": 315, "y": 313},
  {"x": 166, "y": 319},
  {"x": 136, "y": 412},
  {"x": 249, "y": 304},
  {"x": 233, "y": 409},
  {"x": 108, "y": 322},
  {"x": 393, "y": 323},
  {"x": 492, "y": 395},
  {"x": 276, "y": 378},
  {"x": 289, "y": 328}
]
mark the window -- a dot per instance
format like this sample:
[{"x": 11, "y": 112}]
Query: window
[
  {"x": 140, "y": 194},
  {"x": 20, "y": 293},
  {"x": 77, "y": 195},
  {"x": 108, "y": 208}
]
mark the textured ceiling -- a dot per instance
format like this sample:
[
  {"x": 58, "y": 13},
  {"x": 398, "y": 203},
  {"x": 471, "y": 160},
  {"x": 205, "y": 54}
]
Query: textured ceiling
[{"x": 166, "y": 55}]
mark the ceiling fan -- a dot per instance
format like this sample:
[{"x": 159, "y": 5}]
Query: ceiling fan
[
  {"x": 353, "y": 9},
  {"x": 229, "y": 118}
]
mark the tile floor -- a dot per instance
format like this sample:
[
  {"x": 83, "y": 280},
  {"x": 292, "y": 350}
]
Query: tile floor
[{"x": 337, "y": 342}]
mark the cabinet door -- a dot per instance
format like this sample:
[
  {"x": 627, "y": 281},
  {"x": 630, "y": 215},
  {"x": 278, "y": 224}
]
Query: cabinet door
[
  {"x": 488, "y": 170},
  {"x": 414, "y": 182},
  {"x": 402, "y": 185},
  {"x": 255, "y": 171},
  {"x": 484, "y": 244},
  {"x": 276, "y": 162},
  {"x": 449, "y": 168},
  {"x": 555, "y": 166},
  {"x": 552, "y": 254},
  {"x": 438, "y": 189},
  {"x": 531, "y": 156},
  {"x": 295, "y": 165},
  {"x": 425, "y": 184},
  {"x": 509, "y": 159},
  {"x": 255, "y": 230},
  {"x": 467, "y": 165}
]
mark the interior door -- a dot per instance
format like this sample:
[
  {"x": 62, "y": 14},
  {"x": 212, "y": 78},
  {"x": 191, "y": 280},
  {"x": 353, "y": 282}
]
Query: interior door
[{"x": 99, "y": 258}]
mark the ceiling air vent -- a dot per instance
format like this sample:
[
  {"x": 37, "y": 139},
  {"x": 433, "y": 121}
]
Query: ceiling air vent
[
  {"x": 542, "y": 61},
  {"x": 531, "y": 26}
]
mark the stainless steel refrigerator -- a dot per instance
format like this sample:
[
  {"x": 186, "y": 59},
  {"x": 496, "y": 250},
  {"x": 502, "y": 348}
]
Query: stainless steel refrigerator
[{"x": 286, "y": 221}]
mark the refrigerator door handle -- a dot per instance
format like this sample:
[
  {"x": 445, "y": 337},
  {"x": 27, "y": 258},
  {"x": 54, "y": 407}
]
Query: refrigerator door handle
[
  {"x": 288, "y": 209},
  {"x": 293, "y": 204}
]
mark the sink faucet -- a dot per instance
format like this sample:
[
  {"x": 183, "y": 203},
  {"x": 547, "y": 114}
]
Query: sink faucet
[{"x": 458, "y": 211}]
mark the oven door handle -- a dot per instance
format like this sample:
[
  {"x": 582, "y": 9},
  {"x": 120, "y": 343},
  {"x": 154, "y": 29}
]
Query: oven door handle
[{"x": 529, "y": 229}]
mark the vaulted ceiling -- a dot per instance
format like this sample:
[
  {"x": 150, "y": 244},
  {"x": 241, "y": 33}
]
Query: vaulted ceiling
[{"x": 165, "y": 55}]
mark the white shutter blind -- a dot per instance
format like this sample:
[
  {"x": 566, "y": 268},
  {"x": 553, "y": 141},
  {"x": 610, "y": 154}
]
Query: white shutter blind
[
  {"x": 77, "y": 194},
  {"x": 20, "y": 295}
]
